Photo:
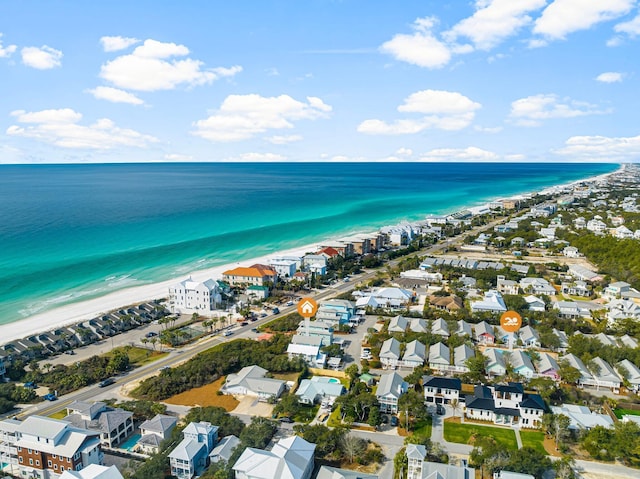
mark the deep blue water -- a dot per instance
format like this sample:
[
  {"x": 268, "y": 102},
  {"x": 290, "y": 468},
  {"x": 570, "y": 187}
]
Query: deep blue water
[{"x": 74, "y": 232}]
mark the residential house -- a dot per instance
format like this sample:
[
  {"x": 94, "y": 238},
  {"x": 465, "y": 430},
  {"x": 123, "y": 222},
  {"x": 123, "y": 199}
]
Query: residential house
[
  {"x": 576, "y": 288},
  {"x": 439, "y": 328},
  {"x": 496, "y": 365},
  {"x": 154, "y": 431},
  {"x": 628, "y": 341},
  {"x": 585, "y": 274},
  {"x": 622, "y": 232},
  {"x": 418, "y": 468},
  {"x": 521, "y": 363},
  {"x": 256, "y": 292},
  {"x": 317, "y": 328},
  {"x": 622, "y": 309},
  {"x": 582, "y": 418},
  {"x": 398, "y": 324},
  {"x": 464, "y": 329},
  {"x": 285, "y": 268},
  {"x": 571, "y": 310},
  {"x": 114, "y": 424},
  {"x": 603, "y": 375},
  {"x": 196, "y": 296},
  {"x": 529, "y": 337},
  {"x": 547, "y": 366},
  {"x": 420, "y": 275},
  {"x": 439, "y": 356},
  {"x": 390, "y": 387},
  {"x": 503, "y": 474},
  {"x": 571, "y": 252},
  {"x": 93, "y": 471},
  {"x": 328, "y": 252},
  {"x": 252, "y": 381},
  {"x": 505, "y": 404},
  {"x": 616, "y": 290},
  {"x": 484, "y": 333},
  {"x": 461, "y": 355},
  {"x": 315, "y": 263},
  {"x": 327, "y": 472},
  {"x": 596, "y": 226},
  {"x": 575, "y": 362},
  {"x": 563, "y": 340},
  {"x": 580, "y": 223},
  {"x": 319, "y": 389},
  {"x": 414, "y": 354},
  {"x": 450, "y": 303},
  {"x": 418, "y": 325},
  {"x": 537, "y": 286},
  {"x": 492, "y": 302},
  {"x": 257, "y": 274},
  {"x": 47, "y": 447},
  {"x": 336, "y": 311},
  {"x": 224, "y": 449},
  {"x": 307, "y": 348},
  {"x": 290, "y": 458},
  {"x": 390, "y": 353},
  {"x": 631, "y": 374},
  {"x": 534, "y": 303},
  {"x": 393, "y": 298},
  {"x": 440, "y": 390},
  {"x": 189, "y": 458},
  {"x": 507, "y": 286}
]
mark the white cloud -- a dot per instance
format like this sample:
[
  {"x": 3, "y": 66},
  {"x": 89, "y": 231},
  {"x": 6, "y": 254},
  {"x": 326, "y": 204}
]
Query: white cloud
[
  {"x": 630, "y": 29},
  {"x": 151, "y": 67},
  {"x": 404, "y": 152},
  {"x": 6, "y": 52},
  {"x": 43, "y": 58},
  {"x": 60, "y": 128},
  {"x": 113, "y": 44},
  {"x": 257, "y": 157},
  {"x": 609, "y": 77},
  {"x": 421, "y": 48},
  {"x": 115, "y": 95},
  {"x": 515, "y": 157},
  {"x": 272, "y": 72},
  {"x": 241, "y": 117},
  {"x": 444, "y": 110},
  {"x": 567, "y": 16},
  {"x": 494, "y": 21},
  {"x": 470, "y": 153},
  {"x": 283, "y": 139},
  {"x": 488, "y": 129},
  {"x": 601, "y": 148},
  {"x": 177, "y": 157},
  {"x": 531, "y": 110}
]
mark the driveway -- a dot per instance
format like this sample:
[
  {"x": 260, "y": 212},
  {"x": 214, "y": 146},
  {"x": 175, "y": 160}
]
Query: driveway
[{"x": 251, "y": 406}]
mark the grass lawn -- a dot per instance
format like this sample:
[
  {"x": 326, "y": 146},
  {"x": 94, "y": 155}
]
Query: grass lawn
[
  {"x": 286, "y": 376},
  {"x": 335, "y": 418},
  {"x": 621, "y": 412},
  {"x": 140, "y": 356},
  {"x": 533, "y": 439},
  {"x": 306, "y": 414},
  {"x": 421, "y": 429},
  {"x": 59, "y": 415},
  {"x": 205, "y": 396},
  {"x": 462, "y": 434}
]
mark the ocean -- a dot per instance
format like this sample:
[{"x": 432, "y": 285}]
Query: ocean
[{"x": 69, "y": 233}]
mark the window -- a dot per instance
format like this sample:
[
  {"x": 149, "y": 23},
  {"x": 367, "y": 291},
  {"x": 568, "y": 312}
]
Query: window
[
  {"x": 19, "y": 449},
  {"x": 49, "y": 463},
  {"x": 37, "y": 462},
  {"x": 29, "y": 451},
  {"x": 55, "y": 466},
  {"x": 21, "y": 459},
  {"x": 62, "y": 468},
  {"x": 30, "y": 462}
]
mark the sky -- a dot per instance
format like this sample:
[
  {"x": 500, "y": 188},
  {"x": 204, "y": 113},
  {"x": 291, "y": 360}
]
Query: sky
[{"x": 319, "y": 80}]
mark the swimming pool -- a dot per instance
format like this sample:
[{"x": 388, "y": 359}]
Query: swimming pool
[
  {"x": 334, "y": 380},
  {"x": 130, "y": 443}
]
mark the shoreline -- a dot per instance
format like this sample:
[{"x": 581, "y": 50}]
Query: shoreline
[{"x": 73, "y": 313}]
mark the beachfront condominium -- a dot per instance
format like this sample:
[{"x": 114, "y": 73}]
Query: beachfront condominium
[
  {"x": 45, "y": 447},
  {"x": 193, "y": 296},
  {"x": 258, "y": 274}
]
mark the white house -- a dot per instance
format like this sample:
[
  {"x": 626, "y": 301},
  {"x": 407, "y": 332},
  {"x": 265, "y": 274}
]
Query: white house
[
  {"x": 194, "y": 296},
  {"x": 439, "y": 390},
  {"x": 622, "y": 232},
  {"x": 461, "y": 355},
  {"x": 319, "y": 389},
  {"x": 154, "y": 431},
  {"x": 251, "y": 381},
  {"x": 93, "y": 471},
  {"x": 630, "y": 372},
  {"x": 464, "y": 328},
  {"x": 439, "y": 328},
  {"x": 616, "y": 290},
  {"x": 496, "y": 365},
  {"x": 224, "y": 449},
  {"x": 390, "y": 353},
  {"x": 285, "y": 268},
  {"x": 189, "y": 457},
  {"x": 521, "y": 363},
  {"x": 603, "y": 375},
  {"x": 290, "y": 458},
  {"x": 581, "y": 417},
  {"x": 507, "y": 286},
  {"x": 534, "y": 303},
  {"x": 414, "y": 354},
  {"x": 571, "y": 252},
  {"x": 390, "y": 387},
  {"x": 418, "y": 325},
  {"x": 575, "y": 362},
  {"x": 571, "y": 310},
  {"x": 505, "y": 404},
  {"x": 492, "y": 302},
  {"x": 439, "y": 356},
  {"x": 529, "y": 337},
  {"x": 398, "y": 324},
  {"x": 537, "y": 286},
  {"x": 596, "y": 226},
  {"x": 315, "y": 263}
]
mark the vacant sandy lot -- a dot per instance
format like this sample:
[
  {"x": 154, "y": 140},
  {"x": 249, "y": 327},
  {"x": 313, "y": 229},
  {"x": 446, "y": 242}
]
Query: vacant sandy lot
[{"x": 205, "y": 396}]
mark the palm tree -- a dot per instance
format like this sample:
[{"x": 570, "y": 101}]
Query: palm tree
[
  {"x": 455, "y": 405},
  {"x": 214, "y": 322}
]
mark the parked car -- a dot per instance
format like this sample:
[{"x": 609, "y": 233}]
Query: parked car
[
  {"x": 394, "y": 421},
  {"x": 254, "y": 330},
  {"x": 70, "y": 352},
  {"x": 244, "y": 323},
  {"x": 227, "y": 333},
  {"x": 286, "y": 419},
  {"x": 276, "y": 311},
  {"x": 263, "y": 315},
  {"x": 49, "y": 397},
  {"x": 30, "y": 385},
  {"x": 106, "y": 382},
  {"x": 151, "y": 334},
  {"x": 440, "y": 410}
]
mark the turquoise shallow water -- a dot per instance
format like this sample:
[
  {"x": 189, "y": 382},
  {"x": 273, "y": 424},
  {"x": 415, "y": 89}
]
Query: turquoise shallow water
[{"x": 74, "y": 232}]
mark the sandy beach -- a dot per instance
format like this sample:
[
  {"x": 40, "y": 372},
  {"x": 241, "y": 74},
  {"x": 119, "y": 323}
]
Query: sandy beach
[{"x": 84, "y": 310}]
